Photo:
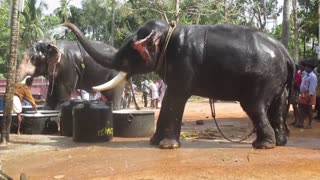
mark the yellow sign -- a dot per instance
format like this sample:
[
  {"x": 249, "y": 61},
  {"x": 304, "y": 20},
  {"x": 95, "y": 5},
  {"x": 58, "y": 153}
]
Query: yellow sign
[{"x": 105, "y": 131}]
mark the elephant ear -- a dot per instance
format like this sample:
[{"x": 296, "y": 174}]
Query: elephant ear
[
  {"x": 148, "y": 47},
  {"x": 53, "y": 60}
]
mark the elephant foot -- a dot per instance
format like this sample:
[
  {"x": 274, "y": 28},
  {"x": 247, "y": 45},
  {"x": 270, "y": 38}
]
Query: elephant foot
[
  {"x": 281, "y": 138},
  {"x": 169, "y": 144},
  {"x": 263, "y": 144},
  {"x": 3, "y": 142},
  {"x": 155, "y": 139}
]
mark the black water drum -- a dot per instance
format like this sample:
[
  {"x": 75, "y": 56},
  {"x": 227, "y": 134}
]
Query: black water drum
[
  {"x": 66, "y": 117},
  {"x": 92, "y": 122}
]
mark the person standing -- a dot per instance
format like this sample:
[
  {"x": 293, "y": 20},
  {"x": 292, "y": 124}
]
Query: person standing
[
  {"x": 317, "y": 107},
  {"x": 154, "y": 94},
  {"x": 83, "y": 95},
  {"x": 145, "y": 91},
  {"x": 162, "y": 89},
  {"x": 22, "y": 92},
  {"x": 308, "y": 96},
  {"x": 295, "y": 95},
  {"x": 127, "y": 95}
]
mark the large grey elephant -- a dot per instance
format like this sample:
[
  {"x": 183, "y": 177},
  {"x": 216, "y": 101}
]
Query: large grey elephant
[
  {"x": 223, "y": 62},
  {"x": 68, "y": 67}
]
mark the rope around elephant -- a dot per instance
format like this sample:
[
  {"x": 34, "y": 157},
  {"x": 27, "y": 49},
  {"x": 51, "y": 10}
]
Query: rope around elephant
[{"x": 213, "y": 114}]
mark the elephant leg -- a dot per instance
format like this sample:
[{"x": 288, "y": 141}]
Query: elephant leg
[
  {"x": 265, "y": 134},
  {"x": 277, "y": 120},
  {"x": 169, "y": 123}
]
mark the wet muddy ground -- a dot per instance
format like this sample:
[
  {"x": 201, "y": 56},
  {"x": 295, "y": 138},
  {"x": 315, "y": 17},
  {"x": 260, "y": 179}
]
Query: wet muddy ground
[{"x": 204, "y": 153}]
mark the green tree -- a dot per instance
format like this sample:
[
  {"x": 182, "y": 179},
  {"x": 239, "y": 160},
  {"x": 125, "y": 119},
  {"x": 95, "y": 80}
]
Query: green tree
[
  {"x": 4, "y": 35},
  {"x": 309, "y": 25},
  {"x": 257, "y": 13},
  {"x": 6, "y": 123},
  {"x": 31, "y": 23},
  {"x": 63, "y": 11}
]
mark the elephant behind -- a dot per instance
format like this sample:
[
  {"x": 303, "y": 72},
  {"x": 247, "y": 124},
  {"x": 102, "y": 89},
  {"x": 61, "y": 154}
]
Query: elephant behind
[{"x": 67, "y": 67}]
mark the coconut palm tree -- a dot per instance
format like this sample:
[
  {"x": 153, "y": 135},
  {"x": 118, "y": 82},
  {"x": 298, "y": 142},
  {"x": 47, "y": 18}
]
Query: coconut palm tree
[
  {"x": 32, "y": 26},
  {"x": 63, "y": 11},
  {"x": 285, "y": 23},
  {"x": 6, "y": 123}
]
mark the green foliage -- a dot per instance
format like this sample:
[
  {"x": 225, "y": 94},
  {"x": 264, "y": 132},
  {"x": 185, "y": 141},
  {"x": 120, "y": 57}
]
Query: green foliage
[
  {"x": 63, "y": 12},
  {"x": 31, "y": 26},
  {"x": 4, "y": 35},
  {"x": 308, "y": 22},
  {"x": 95, "y": 19}
]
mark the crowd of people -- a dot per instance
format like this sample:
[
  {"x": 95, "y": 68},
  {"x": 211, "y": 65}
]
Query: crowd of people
[
  {"x": 306, "y": 94},
  {"x": 156, "y": 90},
  {"x": 153, "y": 90}
]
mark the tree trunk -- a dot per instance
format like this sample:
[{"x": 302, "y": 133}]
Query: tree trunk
[
  {"x": 285, "y": 23},
  {"x": 295, "y": 31},
  {"x": 111, "y": 41},
  {"x": 177, "y": 11},
  {"x": 225, "y": 11},
  {"x": 312, "y": 47},
  {"x": 5, "y": 130},
  {"x": 304, "y": 46},
  {"x": 319, "y": 30}
]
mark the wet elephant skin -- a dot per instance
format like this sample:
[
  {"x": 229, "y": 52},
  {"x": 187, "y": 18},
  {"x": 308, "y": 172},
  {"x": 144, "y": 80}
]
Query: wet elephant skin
[
  {"x": 75, "y": 69},
  {"x": 223, "y": 62}
]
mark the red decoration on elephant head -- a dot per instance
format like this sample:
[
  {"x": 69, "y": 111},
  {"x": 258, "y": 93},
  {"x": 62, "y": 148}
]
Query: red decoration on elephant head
[{"x": 143, "y": 46}]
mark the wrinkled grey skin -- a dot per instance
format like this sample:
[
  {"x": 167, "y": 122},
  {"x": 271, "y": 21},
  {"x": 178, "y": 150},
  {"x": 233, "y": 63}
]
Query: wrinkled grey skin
[
  {"x": 68, "y": 74},
  {"x": 223, "y": 62}
]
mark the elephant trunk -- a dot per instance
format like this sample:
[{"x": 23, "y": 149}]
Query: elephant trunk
[
  {"x": 25, "y": 68},
  {"x": 104, "y": 59}
]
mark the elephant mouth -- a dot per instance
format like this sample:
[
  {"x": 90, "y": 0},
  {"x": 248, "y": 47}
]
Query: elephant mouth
[{"x": 119, "y": 79}]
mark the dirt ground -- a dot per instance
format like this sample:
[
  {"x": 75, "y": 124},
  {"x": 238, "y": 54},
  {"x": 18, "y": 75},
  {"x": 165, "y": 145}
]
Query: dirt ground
[{"x": 210, "y": 157}]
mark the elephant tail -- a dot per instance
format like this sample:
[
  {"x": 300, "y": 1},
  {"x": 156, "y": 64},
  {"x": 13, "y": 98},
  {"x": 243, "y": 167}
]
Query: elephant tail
[{"x": 289, "y": 87}]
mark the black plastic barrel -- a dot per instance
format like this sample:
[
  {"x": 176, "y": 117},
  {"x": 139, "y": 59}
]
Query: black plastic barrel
[
  {"x": 92, "y": 122},
  {"x": 66, "y": 117}
]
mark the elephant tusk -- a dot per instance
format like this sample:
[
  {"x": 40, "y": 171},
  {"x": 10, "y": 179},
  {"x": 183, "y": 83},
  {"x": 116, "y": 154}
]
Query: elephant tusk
[
  {"x": 25, "y": 79},
  {"x": 116, "y": 81}
]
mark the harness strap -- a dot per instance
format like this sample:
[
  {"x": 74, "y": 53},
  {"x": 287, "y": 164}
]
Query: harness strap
[{"x": 162, "y": 58}]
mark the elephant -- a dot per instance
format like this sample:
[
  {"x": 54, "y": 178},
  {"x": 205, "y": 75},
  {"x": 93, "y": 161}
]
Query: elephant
[
  {"x": 68, "y": 67},
  {"x": 222, "y": 62}
]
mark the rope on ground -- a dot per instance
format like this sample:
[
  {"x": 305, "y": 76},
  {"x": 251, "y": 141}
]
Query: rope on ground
[{"x": 213, "y": 114}]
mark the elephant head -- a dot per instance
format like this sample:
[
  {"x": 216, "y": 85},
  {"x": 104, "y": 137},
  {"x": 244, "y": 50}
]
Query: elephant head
[
  {"x": 139, "y": 53},
  {"x": 41, "y": 59}
]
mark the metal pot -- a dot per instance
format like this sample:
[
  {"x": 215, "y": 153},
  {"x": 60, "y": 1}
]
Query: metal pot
[
  {"x": 29, "y": 108},
  {"x": 44, "y": 112},
  {"x": 133, "y": 123}
]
